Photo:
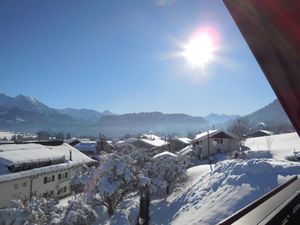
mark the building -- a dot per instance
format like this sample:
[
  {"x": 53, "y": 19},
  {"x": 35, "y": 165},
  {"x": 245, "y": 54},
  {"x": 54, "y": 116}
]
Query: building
[
  {"x": 260, "y": 133},
  {"x": 212, "y": 142},
  {"x": 178, "y": 143},
  {"x": 150, "y": 141},
  {"x": 87, "y": 147},
  {"x": 33, "y": 169}
]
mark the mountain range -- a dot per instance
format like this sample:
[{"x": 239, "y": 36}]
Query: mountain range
[{"x": 27, "y": 114}]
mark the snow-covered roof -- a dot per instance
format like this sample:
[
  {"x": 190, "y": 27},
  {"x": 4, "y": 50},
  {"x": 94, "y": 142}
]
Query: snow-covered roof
[
  {"x": 164, "y": 154},
  {"x": 88, "y": 146},
  {"x": 203, "y": 135},
  {"x": 184, "y": 140},
  {"x": 150, "y": 137},
  {"x": 77, "y": 156},
  {"x": 16, "y": 154},
  {"x": 35, "y": 155},
  {"x": 185, "y": 150},
  {"x": 124, "y": 142},
  {"x": 154, "y": 143},
  {"x": 152, "y": 140}
]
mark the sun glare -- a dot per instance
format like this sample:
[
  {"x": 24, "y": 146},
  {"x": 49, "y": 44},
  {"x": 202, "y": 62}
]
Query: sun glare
[{"x": 199, "y": 51}]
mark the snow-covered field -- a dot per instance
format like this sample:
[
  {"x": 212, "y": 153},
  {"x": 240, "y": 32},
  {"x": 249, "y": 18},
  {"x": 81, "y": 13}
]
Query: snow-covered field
[
  {"x": 209, "y": 197},
  {"x": 281, "y": 145},
  {"x": 6, "y": 134}
]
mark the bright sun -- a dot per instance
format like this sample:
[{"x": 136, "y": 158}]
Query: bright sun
[{"x": 199, "y": 51}]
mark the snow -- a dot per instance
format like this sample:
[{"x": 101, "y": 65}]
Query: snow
[
  {"x": 6, "y": 134},
  {"x": 266, "y": 132},
  {"x": 23, "y": 153},
  {"x": 203, "y": 135},
  {"x": 77, "y": 156},
  {"x": 184, "y": 140},
  {"x": 88, "y": 146},
  {"x": 152, "y": 140},
  {"x": 154, "y": 143},
  {"x": 31, "y": 156},
  {"x": 165, "y": 154},
  {"x": 282, "y": 145},
  {"x": 209, "y": 197},
  {"x": 186, "y": 150}
]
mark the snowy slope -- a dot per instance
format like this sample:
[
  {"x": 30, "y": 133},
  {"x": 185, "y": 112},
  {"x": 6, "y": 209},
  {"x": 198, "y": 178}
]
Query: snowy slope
[
  {"x": 281, "y": 144},
  {"x": 210, "y": 197}
]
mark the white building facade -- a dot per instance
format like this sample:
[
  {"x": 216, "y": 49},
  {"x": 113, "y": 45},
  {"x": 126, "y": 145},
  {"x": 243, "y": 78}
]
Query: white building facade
[
  {"x": 213, "y": 141},
  {"x": 28, "y": 170}
]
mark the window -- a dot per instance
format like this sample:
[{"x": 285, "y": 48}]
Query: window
[
  {"x": 59, "y": 176},
  {"x": 66, "y": 174},
  {"x": 53, "y": 177},
  {"x": 221, "y": 141},
  {"x": 24, "y": 184},
  {"x": 16, "y": 186},
  {"x": 45, "y": 180},
  {"x": 65, "y": 189}
]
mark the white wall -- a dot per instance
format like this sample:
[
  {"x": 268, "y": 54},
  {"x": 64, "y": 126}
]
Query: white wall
[
  {"x": 20, "y": 188},
  {"x": 227, "y": 145}
]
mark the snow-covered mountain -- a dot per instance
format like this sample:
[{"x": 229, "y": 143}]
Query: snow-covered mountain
[
  {"x": 22, "y": 113},
  {"x": 24, "y": 103},
  {"x": 85, "y": 115}
]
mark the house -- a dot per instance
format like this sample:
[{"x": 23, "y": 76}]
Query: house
[
  {"x": 150, "y": 141},
  {"x": 212, "y": 142},
  {"x": 178, "y": 143},
  {"x": 260, "y": 133},
  {"x": 34, "y": 169},
  {"x": 87, "y": 147},
  {"x": 164, "y": 155}
]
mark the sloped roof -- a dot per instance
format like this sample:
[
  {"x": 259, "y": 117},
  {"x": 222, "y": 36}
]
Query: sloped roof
[
  {"x": 165, "y": 153},
  {"x": 184, "y": 140},
  {"x": 13, "y": 154},
  {"x": 212, "y": 133}
]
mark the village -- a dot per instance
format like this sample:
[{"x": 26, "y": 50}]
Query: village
[{"x": 62, "y": 169}]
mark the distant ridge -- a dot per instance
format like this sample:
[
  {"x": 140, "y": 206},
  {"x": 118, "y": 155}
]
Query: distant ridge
[{"x": 23, "y": 113}]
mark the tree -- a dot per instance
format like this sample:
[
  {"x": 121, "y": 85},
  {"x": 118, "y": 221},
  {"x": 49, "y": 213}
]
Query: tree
[
  {"x": 43, "y": 135},
  {"x": 102, "y": 145},
  {"x": 117, "y": 178},
  {"x": 68, "y": 136},
  {"x": 165, "y": 171},
  {"x": 60, "y": 136},
  {"x": 78, "y": 212},
  {"x": 35, "y": 211},
  {"x": 240, "y": 128},
  {"x": 269, "y": 141}
]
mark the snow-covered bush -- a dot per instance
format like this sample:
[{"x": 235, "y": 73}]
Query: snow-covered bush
[
  {"x": 82, "y": 179},
  {"x": 78, "y": 212},
  {"x": 117, "y": 177},
  {"x": 36, "y": 211},
  {"x": 127, "y": 212},
  {"x": 165, "y": 171}
]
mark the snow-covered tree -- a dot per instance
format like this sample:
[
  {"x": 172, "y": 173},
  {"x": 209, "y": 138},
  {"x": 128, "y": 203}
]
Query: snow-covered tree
[
  {"x": 117, "y": 177},
  {"x": 36, "y": 211},
  {"x": 83, "y": 179},
  {"x": 78, "y": 212},
  {"x": 164, "y": 171}
]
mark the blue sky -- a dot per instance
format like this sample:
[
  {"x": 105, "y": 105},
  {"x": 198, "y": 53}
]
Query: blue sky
[{"x": 111, "y": 55}]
